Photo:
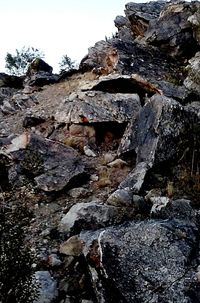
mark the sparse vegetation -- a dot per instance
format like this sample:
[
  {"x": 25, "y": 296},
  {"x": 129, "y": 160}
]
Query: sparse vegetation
[
  {"x": 17, "y": 64},
  {"x": 66, "y": 64}
]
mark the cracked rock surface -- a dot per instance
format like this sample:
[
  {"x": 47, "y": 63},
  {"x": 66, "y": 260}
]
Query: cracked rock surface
[{"x": 106, "y": 159}]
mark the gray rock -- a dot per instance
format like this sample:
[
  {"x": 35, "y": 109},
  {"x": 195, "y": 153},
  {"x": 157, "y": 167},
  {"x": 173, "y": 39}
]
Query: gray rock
[
  {"x": 154, "y": 135},
  {"x": 53, "y": 165},
  {"x": 6, "y": 93},
  {"x": 194, "y": 20},
  {"x": 180, "y": 209},
  {"x": 7, "y": 108},
  {"x": 92, "y": 215},
  {"x": 139, "y": 15},
  {"x": 145, "y": 261},
  {"x": 158, "y": 204},
  {"x": 193, "y": 109},
  {"x": 120, "y": 21},
  {"x": 72, "y": 247},
  {"x": 156, "y": 131},
  {"x": 78, "y": 192},
  {"x": 39, "y": 73},
  {"x": 192, "y": 82},
  {"x": 54, "y": 261},
  {"x": 120, "y": 197},
  {"x": 124, "y": 28},
  {"x": 102, "y": 107},
  {"x": 41, "y": 79},
  {"x": 172, "y": 32},
  {"x": 107, "y": 57},
  {"x": 88, "y": 152},
  {"x": 130, "y": 57},
  {"x": 134, "y": 181},
  {"x": 47, "y": 287},
  {"x": 172, "y": 90},
  {"x": 148, "y": 11}
]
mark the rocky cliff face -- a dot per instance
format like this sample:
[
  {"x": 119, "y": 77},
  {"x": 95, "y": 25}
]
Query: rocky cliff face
[{"x": 107, "y": 159}]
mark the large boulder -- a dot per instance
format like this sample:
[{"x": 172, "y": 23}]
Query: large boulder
[
  {"x": 96, "y": 106},
  {"x": 172, "y": 31},
  {"x": 144, "y": 262},
  {"x": 129, "y": 57},
  {"x": 38, "y": 65},
  {"x": 156, "y": 130},
  {"x": 39, "y": 73},
  {"x": 140, "y": 14},
  {"x": 52, "y": 165},
  {"x": 155, "y": 135},
  {"x": 41, "y": 79}
]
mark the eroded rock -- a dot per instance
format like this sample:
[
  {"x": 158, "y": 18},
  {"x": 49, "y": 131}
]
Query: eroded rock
[
  {"x": 139, "y": 15},
  {"x": 172, "y": 32},
  {"x": 52, "y": 165},
  {"x": 92, "y": 215},
  {"x": 98, "y": 107},
  {"x": 47, "y": 287},
  {"x": 192, "y": 82},
  {"x": 157, "y": 255}
]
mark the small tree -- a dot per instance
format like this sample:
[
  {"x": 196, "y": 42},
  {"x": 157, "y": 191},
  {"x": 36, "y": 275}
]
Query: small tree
[
  {"x": 16, "y": 272},
  {"x": 66, "y": 64},
  {"x": 17, "y": 64}
]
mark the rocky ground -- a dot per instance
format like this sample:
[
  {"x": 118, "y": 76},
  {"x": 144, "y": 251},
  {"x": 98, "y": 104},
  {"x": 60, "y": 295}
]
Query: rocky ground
[{"x": 107, "y": 159}]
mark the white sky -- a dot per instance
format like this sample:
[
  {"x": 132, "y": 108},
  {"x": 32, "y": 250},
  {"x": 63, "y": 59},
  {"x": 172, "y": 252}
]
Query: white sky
[{"x": 56, "y": 27}]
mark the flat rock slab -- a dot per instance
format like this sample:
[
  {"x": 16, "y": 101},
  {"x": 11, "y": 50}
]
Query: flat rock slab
[
  {"x": 96, "y": 106},
  {"x": 52, "y": 165}
]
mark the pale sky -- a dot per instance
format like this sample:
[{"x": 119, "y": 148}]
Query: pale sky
[{"x": 56, "y": 27}]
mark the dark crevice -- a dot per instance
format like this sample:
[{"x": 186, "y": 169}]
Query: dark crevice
[
  {"x": 124, "y": 86},
  {"x": 107, "y": 131}
]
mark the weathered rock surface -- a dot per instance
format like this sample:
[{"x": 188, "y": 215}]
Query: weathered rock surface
[
  {"x": 132, "y": 57},
  {"x": 192, "y": 82},
  {"x": 125, "y": 84},
  {"x": 145, "y": 261},
  {"x": 140, "y": 14},
  {"x": 115, "y": 141},
  {"x": 6, "y": 93},
  {"x": 52, "y": 165},
  {"x": 39, "y": 73},
  {"x": 172, "y": 32},
  {"x": 41, "y": 79},
  {"x": 177, "y": 209},
  {"x": 163, "y": 120},
  {"x": 47, "y": 287},
  {"x": 95, "y": 106},
  {"x": 194, "y": 20},
  {"x": 93, "y": 215},
  {"x": 39, "y": 65}
]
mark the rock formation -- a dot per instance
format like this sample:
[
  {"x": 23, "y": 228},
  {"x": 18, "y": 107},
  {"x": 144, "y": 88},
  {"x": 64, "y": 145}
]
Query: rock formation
[{"x": 107, "y": 159}]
